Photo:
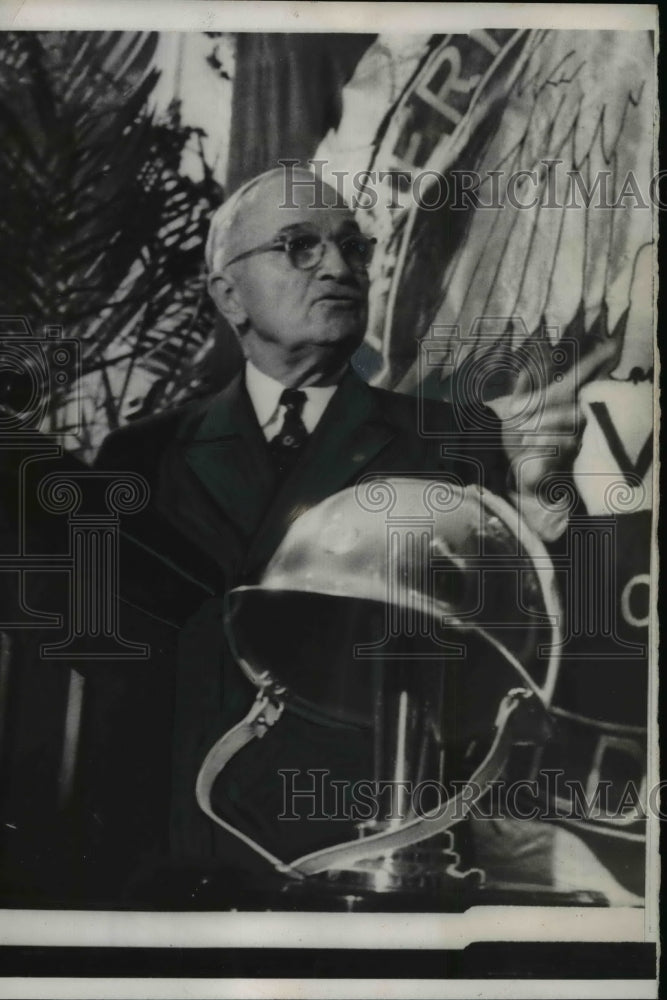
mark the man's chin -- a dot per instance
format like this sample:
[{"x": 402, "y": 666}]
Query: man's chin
[
  {"x": 341, "y": 331},
  {"x": 344, "y": 344}
]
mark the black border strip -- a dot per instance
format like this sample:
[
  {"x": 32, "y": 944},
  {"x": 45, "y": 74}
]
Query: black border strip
[{"x": 489, "y": 960}]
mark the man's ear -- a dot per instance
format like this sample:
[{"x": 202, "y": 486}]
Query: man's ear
[{"x": 222, "y": 289}]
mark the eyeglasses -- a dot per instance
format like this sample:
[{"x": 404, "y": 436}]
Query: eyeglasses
[{"x": 306, "y": 250}]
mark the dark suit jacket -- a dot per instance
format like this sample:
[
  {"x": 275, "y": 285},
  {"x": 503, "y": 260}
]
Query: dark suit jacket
[
  {"x": 212, "y": 479},
  {"x": 216, "y": 499}
]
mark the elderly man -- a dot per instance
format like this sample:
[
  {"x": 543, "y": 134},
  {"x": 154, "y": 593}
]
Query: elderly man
[
  {"x": 288, "y": 270},
  {"x": 229, "y": 474}
]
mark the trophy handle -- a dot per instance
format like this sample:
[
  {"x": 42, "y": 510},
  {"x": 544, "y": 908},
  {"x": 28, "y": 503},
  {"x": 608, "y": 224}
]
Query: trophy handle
[
  {"x": 516, "y": 719},
  {"x": 265, "y": 712}
]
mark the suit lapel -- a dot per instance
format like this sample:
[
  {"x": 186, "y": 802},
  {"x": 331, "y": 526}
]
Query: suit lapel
[
  {"x": 228, "y": 454},
  {"x": 350, "y": 434}
]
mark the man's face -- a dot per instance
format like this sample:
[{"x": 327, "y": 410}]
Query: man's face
[{"x": 323, "y": 306}]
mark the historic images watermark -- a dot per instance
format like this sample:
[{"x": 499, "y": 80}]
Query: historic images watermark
[
  {"x": 549, "y": 186},
  {"x": 315, "y": 795},
  {"x": 35, "y": 372},
  {"x": 33, "y": 369}
]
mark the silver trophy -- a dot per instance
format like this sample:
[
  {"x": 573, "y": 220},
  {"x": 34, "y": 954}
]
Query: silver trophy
[{"x": 425, "y": 615}]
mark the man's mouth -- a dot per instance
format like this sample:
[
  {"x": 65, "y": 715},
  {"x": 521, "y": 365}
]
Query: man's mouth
[{"x": 348, "y": 299}]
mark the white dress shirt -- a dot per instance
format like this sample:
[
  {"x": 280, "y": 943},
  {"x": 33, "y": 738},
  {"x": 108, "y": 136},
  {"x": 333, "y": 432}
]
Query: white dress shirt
[{"x": 265, "y": 395}]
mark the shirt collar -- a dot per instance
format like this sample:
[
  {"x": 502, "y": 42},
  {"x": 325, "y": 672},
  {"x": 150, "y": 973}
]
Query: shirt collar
[{"x": 265, "y": 393}]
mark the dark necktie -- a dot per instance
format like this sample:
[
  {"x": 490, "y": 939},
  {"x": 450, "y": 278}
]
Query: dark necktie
[{"x": 287, "y": 444}]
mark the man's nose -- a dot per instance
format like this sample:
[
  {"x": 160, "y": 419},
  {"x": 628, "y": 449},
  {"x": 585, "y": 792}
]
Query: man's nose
[{"x": 333, "y": 263}]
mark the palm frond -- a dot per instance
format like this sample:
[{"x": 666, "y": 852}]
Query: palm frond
[{"x": 101, "y": 233}]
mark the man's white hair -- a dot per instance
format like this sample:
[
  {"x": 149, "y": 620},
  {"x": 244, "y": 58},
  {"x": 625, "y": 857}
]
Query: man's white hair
[{"x": 225, "y": 219}]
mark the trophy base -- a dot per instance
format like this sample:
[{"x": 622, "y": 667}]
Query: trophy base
[
  {"x": 426, "y": 878},
  {"x": 425, "y": 868}
]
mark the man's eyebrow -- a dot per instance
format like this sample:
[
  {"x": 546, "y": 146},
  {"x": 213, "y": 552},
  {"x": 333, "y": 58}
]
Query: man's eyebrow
[{"x": 295, "y": 227}]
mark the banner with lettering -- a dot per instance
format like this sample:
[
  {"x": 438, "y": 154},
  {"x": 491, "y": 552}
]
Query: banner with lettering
[{"x": 509, "y": 176}]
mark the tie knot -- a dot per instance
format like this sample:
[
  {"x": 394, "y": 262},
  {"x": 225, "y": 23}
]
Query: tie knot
[{"x": 293, "y": 400}]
